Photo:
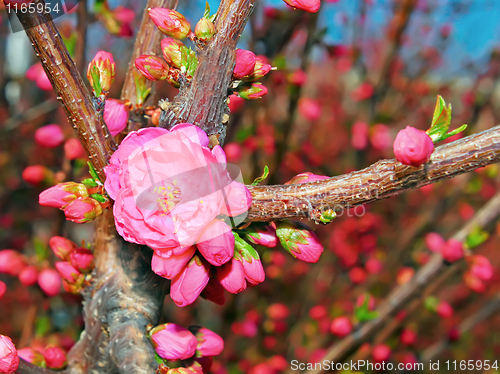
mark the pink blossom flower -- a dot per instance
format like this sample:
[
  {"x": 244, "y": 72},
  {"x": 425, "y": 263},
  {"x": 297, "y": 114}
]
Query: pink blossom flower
[
  {"x": 3, "y": 289},
  {"x": 9, "y": 359},
  {"x": 55, "y": 357},
  {"x": 173, "y": 342},
  {"x": 11, "y": 262},
  {"x": 209, "y": 343},
  {"x": 82, "y": 259},
  {"x": 309, "y": 109},
  {"x": 60, "y": 195},
  {"x": 453, "y": 250},
  {"x": 82, "y": 210},
  {"x": 171, "y": 265},
  {"x": 232, "y": 276},
  {"x": 50, "y": 282},
  {"x": 278, "y": 311},
  {"x": 245, "y": 63},
  {"x": 115, "y": 115},
  {"x": 61, "y": 247},
  {"x": 359, "y": 133},
  {"x": 36, "y": 74},
  {"x": 237, "y": 199},
  {"x": 413, "y": 147},
  {"x": 73, "y": 149},
  {"x": 49, "y": 136},
  {"x": 299, "y": 240},
  {"x": 381, "y": 352},
  {"x": 28, "y": 276},
  {"x": 306, "y": 177},
  {"x": 341, "y": 326},
  {"x": 408, "y": 337},
  {"x": 216, "y": 243},
  {"x": 167, "y": 201},
  {"x": 233, "y": 150},
  {"x": 32, "y": 356},
  {"x": 188, "y": 284},
  {"x": 381, "y": 137},
  {"x": 434, "y": 242}
]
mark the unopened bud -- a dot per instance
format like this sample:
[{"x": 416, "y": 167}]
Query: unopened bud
[
  {"x": 255, "y": 91},
  {"x": 260, "y": 69},
  {"x": 152, "y": 67},
  {"x": 83, "y": 210},
  {"x": 170, "y": 22},
  {"x": 82, "y": 259},
  {"x": 61, "y": 247},
  {"x": 101, "y": 72},
  {"x": 204, "y": 29},
  {"x": 60, "y": 195},
  {"x": 171, "y": 49},
  {"x": 32, "y": 356},
  {"x": 299, "y": 240}
]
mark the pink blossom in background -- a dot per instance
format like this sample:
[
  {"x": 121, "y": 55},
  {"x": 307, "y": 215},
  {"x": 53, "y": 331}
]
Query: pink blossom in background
[
  {"x": 173, "y": 342},
  {"x": 32, "y": 356},
  {"x": 453, "y": 250},
  {"x": 49, "y": 136},
  {"x": 50, "y": 282},
  {"x": 380, "y": 137},
  {"x": 298, "y": 77},
  {"x": 444, "y": 310},
  {"x": 408, "y": 336},
  {"x": 115, "y": 115},
  {"x": 341, "y": 326},
  {"x": 9, "y": 359},
  {"x": 413, "y": 147},
  {"x": 11, "y": 262},
  {"x": 28, "y": 276},
  {"x": 235, "y": 104},
  {"x": 36, "y": 74},
  {"x": 278, "y": 311},
  {"x": 481, "y": 267},
  {"x": 309, "y": 108},
  {"x": 55, "y": 358},
  {"x": 233, "y": 151},
  {"x": 36, "y": 174},
  {"x": 359, "y": 135},
  {"x": 3, "y": 289},
  {"x": 73, "y": 149},
  {"x": 434, "y": 242},
  {"x": 363, "y": 92},
  {"x": 381, "y": 352}
]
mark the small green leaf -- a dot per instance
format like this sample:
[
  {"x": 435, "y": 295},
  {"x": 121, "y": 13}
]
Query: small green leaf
[
  {"x": 42, "y": 325},
  {"x": 363, "y": 313},
  {"x": 431, "y": 303},
  {"x": 441, "y": 120},
  {"x": 159, "y": 359},
  {"x": 96, "y": 81},
  {"x": 141, "y": 89},
  {"x": 475, "y": 238},
  {"x": 93, "y": 172},
  {"x": 262, "y": 177},
  {"x": 89, "y": 182},
  {"x": 41, "y": 250},
  {"x": 98, "y": 197},
  {"x": 207, "y": 11}
]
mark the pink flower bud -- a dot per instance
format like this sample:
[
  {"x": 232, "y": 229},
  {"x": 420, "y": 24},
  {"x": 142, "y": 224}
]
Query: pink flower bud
[
  {"x": 260, "y": 69},
  {"x": 278, "y": 311},
  {"x": 306, "y": 177},
  {"x": 115, "y": 115},
  {"x": 49, "y": 136},
  {"x": 238, "y": 199},
  {"x": 55, "y": 358},
  {"x": 434, "y": 242},
  {"x": 73, "y": 149},
  {"x": 9, "y": 360},
  {"x": 311, "y": 6},
  {"x": 408, "y": 337},
  {"x": 68, "y": 272},
  {"x": 309, "y": 109},
  {"x": 83, "y": 210},
  {"x": 245, "y": 63},
  {"x": 170, "y": 22},
  {"x": 209, "y": 343},
  {"x": 413, "y": 147},
  {"x": 11, "y": 262},
  {"x": 381, "y": 352},
  {"x": 32, "y": 356},
  {"x": 214, "y": 292},
  {"x": 82, "y": 259},
  {"x": 173, "y": 342},
  {"x": 3, "y": 289},
  {"x": 341, "y": 326},
  {"x": 169, "y": 267},
  {"x": 252, "y": 266},
  {"x": 318, "y": 312},
  {"x": 172, "y": 53},
  {"x": 123, "y": 14},
  {"x": 481, "y": 267},
  {"x": 62, "y": 247},
  {"x": 453, "y": 250},
  {"x": 28, "y": 276},
  {"x": 49, "y": 281},
  {"x": 444, "y": 310},
  {"x": 262, "y": 234},
  {"x": 255, "y": 91},
  {"x": 204, "y": 29},
  {"x": 299, "y": 240},
  {"x": 232, "y": 276},
  {"x": 37, "y": 174},
  {"x": 60, "y": 195},
  {"x": 357, "y": 275},
  {"x": 235, "y": 104},
  {"x": 473, "y": 282},
  {"x": 152, "y": 67},
  {"x": 104, "y": 67},
  {"x": 188, "y": 284},
  {"x": 216, "y": 243}
]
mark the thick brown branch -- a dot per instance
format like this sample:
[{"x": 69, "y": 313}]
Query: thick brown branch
[
  {"x": 203, "y": 103},
  {"x": 403, "y": 294},
  {"x": 381, "y": 180},
  {"x": 69, "y": 86}
]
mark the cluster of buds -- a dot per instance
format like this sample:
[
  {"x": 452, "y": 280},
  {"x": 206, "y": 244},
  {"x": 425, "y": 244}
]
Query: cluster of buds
[
  {"x": 451, "y": 250},
  {"x": 117, "y": 21},
  {"x": 76, "y": 263},
  {"x": 81, "y": 202},
  {"x": 195, "y": 347},
  {"x": 101, "y": 73},
  {"x": 248, "y": 69},
  {"x": 480, "y": 271}
]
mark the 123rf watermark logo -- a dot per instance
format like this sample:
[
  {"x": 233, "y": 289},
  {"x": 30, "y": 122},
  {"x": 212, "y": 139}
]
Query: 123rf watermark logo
[{"x": 37, "y": 9}]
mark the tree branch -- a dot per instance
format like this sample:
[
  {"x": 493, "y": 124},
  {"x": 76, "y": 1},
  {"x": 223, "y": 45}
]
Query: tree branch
[
  {"x": 203, "y": 103},
  {"x": 381, "y": 180},
  {"x": 28, "y": 368},
  {"x": 69, "y": 87},
  {"x": 403, "y": 294}
]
